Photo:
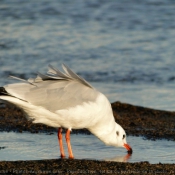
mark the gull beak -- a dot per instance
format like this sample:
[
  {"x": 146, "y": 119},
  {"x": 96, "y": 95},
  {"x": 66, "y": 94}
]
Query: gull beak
[{"x": 128, "y": 148}]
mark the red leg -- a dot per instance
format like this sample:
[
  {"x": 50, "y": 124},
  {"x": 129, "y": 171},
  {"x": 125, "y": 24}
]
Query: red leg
[
  {"x": 61, "y": 142},
  {"x": 68, "y": 144}
]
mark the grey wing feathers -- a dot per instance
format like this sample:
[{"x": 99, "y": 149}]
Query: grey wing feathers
[
  {"x": 54, "y": 71},
  {"x": 54, "y": 91},
  {"x": 55, "y": 74},
  {"x": 75, "y": 76}
]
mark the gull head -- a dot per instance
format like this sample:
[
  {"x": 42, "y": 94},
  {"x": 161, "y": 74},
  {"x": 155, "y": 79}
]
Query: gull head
[
  {"x": 120, "y": 138},
  {"x": 113, "y": 136}
]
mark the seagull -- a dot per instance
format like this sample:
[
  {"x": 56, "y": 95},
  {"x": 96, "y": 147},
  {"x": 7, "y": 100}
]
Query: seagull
[{"x": 63, "y": 99}]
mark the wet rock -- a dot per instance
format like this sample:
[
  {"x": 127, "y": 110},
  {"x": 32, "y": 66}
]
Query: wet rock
[
  {"x": 132, "y": 124},
  {"x": 67, "y": 166}
]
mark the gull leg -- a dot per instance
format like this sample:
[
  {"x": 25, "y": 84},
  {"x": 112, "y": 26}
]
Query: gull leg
[
  {"x": 68, "y": 144},
  {"x": 60, "y": 142}
]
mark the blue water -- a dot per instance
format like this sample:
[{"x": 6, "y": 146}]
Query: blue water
[
  {"x": 126, "y": 49},
  {"x": 26, "y": 146}
]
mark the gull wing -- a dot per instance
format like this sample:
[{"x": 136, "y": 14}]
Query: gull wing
[{"x": 54, "y": 91}]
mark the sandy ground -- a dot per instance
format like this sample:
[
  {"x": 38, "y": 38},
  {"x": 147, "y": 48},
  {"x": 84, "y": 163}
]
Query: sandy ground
[{"x": 139, "y": 121}]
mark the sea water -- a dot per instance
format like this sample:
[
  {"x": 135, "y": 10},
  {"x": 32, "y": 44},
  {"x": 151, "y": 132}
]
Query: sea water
[
  {"x": 26, "y": 146},
  {"x": 125, "y": 49}
]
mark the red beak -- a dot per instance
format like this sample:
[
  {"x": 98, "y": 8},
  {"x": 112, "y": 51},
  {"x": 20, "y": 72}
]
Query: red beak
[{"x": 128, "y": 148}]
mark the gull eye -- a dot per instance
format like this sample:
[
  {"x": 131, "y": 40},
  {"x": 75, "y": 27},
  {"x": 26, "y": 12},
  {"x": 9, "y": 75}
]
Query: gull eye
[
  {"x": 117, "y": 133},
  {"x": 124, "y": 136}
]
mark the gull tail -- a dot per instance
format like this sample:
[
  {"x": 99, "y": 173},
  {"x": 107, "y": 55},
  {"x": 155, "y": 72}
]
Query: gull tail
[{"x": 3, "y": 91}]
